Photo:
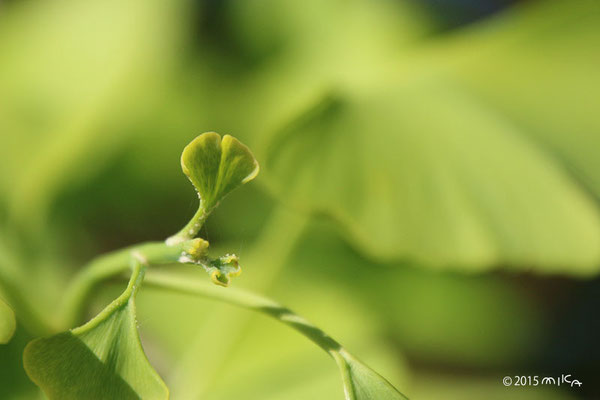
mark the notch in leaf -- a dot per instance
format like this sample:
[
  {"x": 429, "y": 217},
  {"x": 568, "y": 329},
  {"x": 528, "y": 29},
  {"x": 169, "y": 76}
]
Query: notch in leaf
[
  {"x": 102, "y": 359},
  {"x": 215, "y": 167}
]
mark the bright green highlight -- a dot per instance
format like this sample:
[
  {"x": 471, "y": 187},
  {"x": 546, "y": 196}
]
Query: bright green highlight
[
  {"x": 7, "y": 322},
  {"x": 101, "y": 359},
  {"x": 215, "y": 167}
]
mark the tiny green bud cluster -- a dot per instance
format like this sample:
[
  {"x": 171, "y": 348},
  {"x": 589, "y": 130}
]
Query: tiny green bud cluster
[{"x": 215, "y": 166}]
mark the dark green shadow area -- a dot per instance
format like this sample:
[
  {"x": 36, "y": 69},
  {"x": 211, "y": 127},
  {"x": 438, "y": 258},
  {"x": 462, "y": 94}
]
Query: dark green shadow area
[
  {"x": 14, "y": 383},
  {"x": 65, "y": 368}
]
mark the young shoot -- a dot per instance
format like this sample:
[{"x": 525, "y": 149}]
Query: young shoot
[{"x": 104, "y": 358}]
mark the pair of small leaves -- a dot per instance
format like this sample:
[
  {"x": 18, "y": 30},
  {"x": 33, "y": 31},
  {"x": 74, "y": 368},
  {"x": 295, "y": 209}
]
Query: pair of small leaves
[
  {"x": 7, "y": 322},
  {"x": 102, "y": 359},
  {"x": 215, "y": 167}
]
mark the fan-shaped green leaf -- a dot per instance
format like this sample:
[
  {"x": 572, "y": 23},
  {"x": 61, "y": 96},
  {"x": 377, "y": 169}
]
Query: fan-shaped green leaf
[
  {"x": 102, "y": 359},
  {"x": 424, "y": 171},
  {"x": 546, "y": 72},
  {"x": 7, "y": 322},
  {"x": 216, "y": 166}
]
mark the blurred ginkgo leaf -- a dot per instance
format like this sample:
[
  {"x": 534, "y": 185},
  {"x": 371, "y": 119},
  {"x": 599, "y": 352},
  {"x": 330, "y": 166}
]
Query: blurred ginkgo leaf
[
  {"x": 7, "y": 322},
  {"x": 424, "y": 171},
  {"x": 539, "y": 65}
]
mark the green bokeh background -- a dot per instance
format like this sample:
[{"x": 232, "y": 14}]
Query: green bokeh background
[{"x": 429, "y": 187}]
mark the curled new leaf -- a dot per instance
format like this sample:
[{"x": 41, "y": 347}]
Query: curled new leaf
[
  {"x": 215, "y": 166},
  {"x": 7, "y": 322},
  {"x": 102, "y": 359},
  {"x": 221, "y": 269}
]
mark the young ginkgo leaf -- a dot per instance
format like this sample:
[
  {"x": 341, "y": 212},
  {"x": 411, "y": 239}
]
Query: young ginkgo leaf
[
  {"x": 215, "y": 166},
  {"x": 102, "y": 359},
  {"x": 7, "y": 322}
]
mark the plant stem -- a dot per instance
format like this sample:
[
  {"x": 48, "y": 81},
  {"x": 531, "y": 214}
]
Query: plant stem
[
  {"x": 138, "y": 265},
  {"x": 244, "y": 299},
  {"x": 191, "y": 229},
  {"x": 192, "y": 376},
  {"x": 109, "y": 266},
  {"x": 251, "y": 301}
]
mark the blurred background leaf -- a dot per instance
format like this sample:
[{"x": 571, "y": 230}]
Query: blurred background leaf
[
  {"x": 443, "y": 152},
  {"x": 71, "y": 73},
  {"x": 412, "y": 177},
  {"x": 7, "y": 322}
]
